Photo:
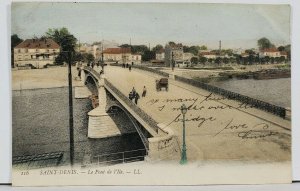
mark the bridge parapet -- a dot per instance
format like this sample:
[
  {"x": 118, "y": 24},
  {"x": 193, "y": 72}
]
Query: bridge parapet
[
  {"x": 271, "y": 108},
  {"x": 163, "y": 147},
  {"x": 92, "y": 71},
  {"x": 161, "y": 73},
  {"x": 149, "y": 120}
]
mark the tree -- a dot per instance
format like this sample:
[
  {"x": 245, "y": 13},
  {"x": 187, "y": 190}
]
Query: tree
[
  {"x": 157, "y": 48},
  {"x": 267, "y": 59},
  {"x": 66, "y": 41},
  {"x": 281, "y": 59},
  {"x": 185, "y": 48},
  {"x": 250, "y": 51},
  {"x": 194, "y": 60},
  {"x": 148, "y": 55},
  {"x": 287, "y": 48},
  {"x": 251, "y": 58},
  {"x": 218, "y": 60},
  {"x": 15, "y": 40},
  {"x": 171, "y": 43},
  {"x": 139, "y": 49},
  {"x": 125, "y": 46},
  {"x": 88, "y": 57},
  {"x": 226, "y": 60},
  {"x": 264, "y": 43},
  {"x": 203, "y": 47},
  {"x": 281, "y": 48},
  {"x": 203, "y": 60},
  {"x": 194, "y": 50},
  {"x": 232, "y": 59}
]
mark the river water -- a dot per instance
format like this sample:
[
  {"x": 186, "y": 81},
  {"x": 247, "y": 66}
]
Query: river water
[
  {"x": 275, "y": 91},
  {"x": 40, "y": 123}
]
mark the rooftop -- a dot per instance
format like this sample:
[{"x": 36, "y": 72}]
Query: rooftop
[
  {"x": 43, "y": 43},
  {"x": 117, "y": 51}
]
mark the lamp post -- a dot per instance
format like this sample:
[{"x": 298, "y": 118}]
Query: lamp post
[
  {"x": 71, "y": 123},
  {"x": 183, "y": 160}
]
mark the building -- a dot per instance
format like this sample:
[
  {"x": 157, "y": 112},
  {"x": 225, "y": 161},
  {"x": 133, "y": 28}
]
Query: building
[
  {"x": 36, "y": 52},
  {"x": 160, "y": 55},
  {"x": 173, "y": 52},
  {"x": 121, "y": 55},
  {"x": 187, "y": 56},
  {"x": 95, "y": 50},
  {"x": 208, "y": 55},
  {"x": 271, "y": 52}
]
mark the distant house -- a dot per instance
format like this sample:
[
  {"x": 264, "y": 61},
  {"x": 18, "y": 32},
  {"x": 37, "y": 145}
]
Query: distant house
[
  {"x": 284, "y": 54},
  {"x": 36, "y": 52},
  {"x": 208, "y": 55},
  {"x": 244, "y": 55},
  {"x": 90, "y": 49},
  {"x": 160, "y": 55},
  {"x": 187, "y": 56},
  {"x": 271, "y": 52},
  {"x": 121, "y": 55},
  {"x": 175, "y": 52}
]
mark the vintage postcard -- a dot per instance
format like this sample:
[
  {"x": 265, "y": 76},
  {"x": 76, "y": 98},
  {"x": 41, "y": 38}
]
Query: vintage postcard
[{"x": 150, "y": 93}]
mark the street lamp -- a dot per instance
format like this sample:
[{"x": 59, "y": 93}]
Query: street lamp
[
  {"x": 183, "y": 160},
  {"x": 71, "y": 123}
]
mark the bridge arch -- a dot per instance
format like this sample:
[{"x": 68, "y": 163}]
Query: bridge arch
[{"x": 143, "y": 134}]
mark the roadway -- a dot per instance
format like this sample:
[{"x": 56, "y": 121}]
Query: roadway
[{"x": 216, "y": 128}]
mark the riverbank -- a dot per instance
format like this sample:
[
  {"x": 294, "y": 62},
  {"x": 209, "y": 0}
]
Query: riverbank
[
  {"x": 223, "y": 72},
  {"x": 43, "y": 78}
]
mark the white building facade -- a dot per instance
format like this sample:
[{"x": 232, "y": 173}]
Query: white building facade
[
  {"x": 36, "y": 52},
  {"x": 121, "y": 55}
]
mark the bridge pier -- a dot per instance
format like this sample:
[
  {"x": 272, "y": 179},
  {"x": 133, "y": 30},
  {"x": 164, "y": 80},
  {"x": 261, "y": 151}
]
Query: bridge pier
[
  {"x": 100, "y": 124},
  {"x": 163, "y": 147}
]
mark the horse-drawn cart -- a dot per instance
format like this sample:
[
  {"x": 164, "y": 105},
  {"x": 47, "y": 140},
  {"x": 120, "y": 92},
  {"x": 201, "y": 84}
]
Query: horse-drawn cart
[{"x": 162, "y": 83}]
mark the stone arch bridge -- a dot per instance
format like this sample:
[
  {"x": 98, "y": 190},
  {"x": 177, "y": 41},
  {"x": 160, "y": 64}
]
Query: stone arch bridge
[{"x": 158, "y": 140}]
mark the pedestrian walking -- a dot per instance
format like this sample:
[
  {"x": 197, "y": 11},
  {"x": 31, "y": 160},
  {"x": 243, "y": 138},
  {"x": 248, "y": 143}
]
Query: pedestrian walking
[
  {"x": 79, "y": 72},
  {"x": 136, "y": 98},
  {"x": 130, "y": 96},
  {"x": 133, "y": 92},
  {"x": 144, "y": 92},
  {"x": 129, "y": 68},
  {"x": 126, "y": 65}
]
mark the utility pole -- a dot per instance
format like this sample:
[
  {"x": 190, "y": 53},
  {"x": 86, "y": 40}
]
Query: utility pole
[
  {"x": 220, "y": 47},
  {"x": 71, "y": 125},
  {"x": 172, "y": 61}
]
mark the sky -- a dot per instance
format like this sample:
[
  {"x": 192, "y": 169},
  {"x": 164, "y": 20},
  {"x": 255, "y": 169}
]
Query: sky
[{"x": 236, "y": 25}]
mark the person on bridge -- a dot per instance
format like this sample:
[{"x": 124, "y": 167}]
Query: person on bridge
[
  {"x": 79, "y": 72},
  {"x": 130, "y": 96},
  {"x": 133, "y": 92},
  {"x": 144, "y": 92},
  {"x": 136, "y": 98}
]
